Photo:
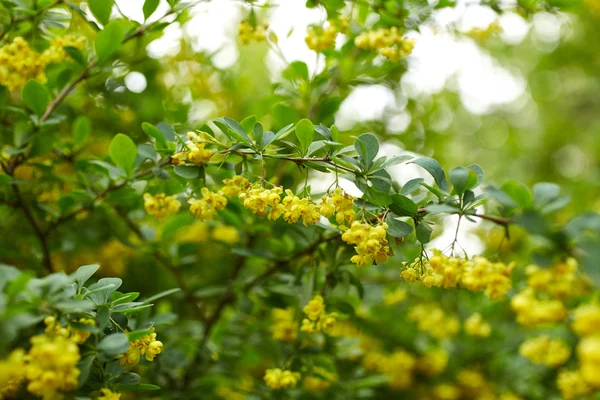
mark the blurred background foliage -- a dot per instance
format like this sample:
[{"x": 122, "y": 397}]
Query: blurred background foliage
[{"x": 547, "y": 131}]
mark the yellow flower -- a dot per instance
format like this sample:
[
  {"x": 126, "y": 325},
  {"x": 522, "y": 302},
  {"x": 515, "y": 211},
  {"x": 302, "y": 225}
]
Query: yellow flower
[
  {"x": 52, "y": 366},
  {"x": 196, "y": 152},
  {"x": 546, "y": 351},
  {"x": 571, "y": 384},
  {"x": 225, "y": 233},
  {"x": 284, "y": 327},
  {"x": 161, "y": 205},
  {"x": 370, "y": 243},
  {"x": 586, "y": 320},
  {"x": 277, "y": 379},
  {"x": 147, "y": 346},
  {"x": 476, "y": 326},
  {"x": 248, "y": 33},
  {"x": 432, "y": 319},
  {"x": 395, "y": 297},
  {"x": 433, "y": 362},
  {"x": 387, "y": 42},
  {"x": 12, "y": 373},
  {"x": 588, "y": 351},
  {"x": 108, "y": 394},
  {"x": 206, "y": 208},
  {"x": 315, "y": 308}
]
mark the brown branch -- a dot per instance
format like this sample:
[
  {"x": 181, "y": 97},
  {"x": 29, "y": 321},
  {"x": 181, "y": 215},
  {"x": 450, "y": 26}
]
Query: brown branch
[
  {"x": 46, "y": 260},
  {"x": 492, "y": 218},
  {"x": 99, "y": 197},
  {"x": 85, "y": 73}
]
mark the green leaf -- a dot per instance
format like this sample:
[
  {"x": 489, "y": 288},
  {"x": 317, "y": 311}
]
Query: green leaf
[
  {"x": 128, "y": 379},
  {"x": 395, "y": 160},
  {"x": 411, "y": 186},
  {"x": 161, "y": 295},
  {"x": 210, "y": 291},
  {"x": 141, "y": 386},
  {"x": 441, "y": 208},
  {"x": 435, "y": 169},
  {"x": 463, "y": 179},
  {"x": 187, "y": 171},
  {"x": 479, "y": 172},
  {"x": 36, "y": 96},
  {"x": 545, "y": 192},
  {"x": 101, "y": 9},
  {"x": 378, "y": 198},
  {"x": 397, "y": 228},
  {"x": 518, "y": 192},
  {"x": 149, "y": 7},
  {"x": 153, "y": 131},
  {"x": 84, "y": 366},
  {"x": 335, "y": 133},
  {"x": 82, "y": 127},
  {"x": 135, "y": 335},
  {"x": 305, "y": 132},
  {"x": 123, "y": 152},
  {"x": 116, "y": 343},
  {"x": 108, "y": 40},
  {"x": 233, "y": 130},
  {"x": 367, "y": 147},
  {"x": 258, "y": 135},
  {"x": 402, "y": 206},
  {"x": 423, "y": 232},
  {"x": 74, "y": 306},
  {"x": 248, "y": 123},
  {"x": 84, "y": 273}
]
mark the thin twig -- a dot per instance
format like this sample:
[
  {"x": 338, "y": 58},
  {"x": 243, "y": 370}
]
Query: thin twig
[
  {"x": 99, "y": 197},
  {"x": 46, "y": 260}
]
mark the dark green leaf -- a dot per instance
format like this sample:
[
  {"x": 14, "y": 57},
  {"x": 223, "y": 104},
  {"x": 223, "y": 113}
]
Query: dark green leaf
[
  {"x": 367, "y": 147},
  {"x": 463, "y": 179},
  {"x": 153, "y": 131},
  {"x": 116, "y": 343},
  {"x": 187, "y": 171},
  {"x": 82, "y": 127},
  {"x": 397, "y": 228},
  {"x": 435, "y": 169},
  {"x": 411, "y": 186},
  {"x": 423, "y": 232},
  {"x": 403, "y": 206}
]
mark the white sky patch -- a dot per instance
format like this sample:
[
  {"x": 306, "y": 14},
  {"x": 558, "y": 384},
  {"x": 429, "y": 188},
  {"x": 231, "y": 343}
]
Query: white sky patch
[
  {"x": 135, "y": 82},
  {"x": 365, "y": 103},
  {"x": 467, "y": 240}
]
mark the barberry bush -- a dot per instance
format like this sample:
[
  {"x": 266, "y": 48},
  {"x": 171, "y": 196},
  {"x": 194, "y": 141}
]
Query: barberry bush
[{"x": 176, "y": 228}]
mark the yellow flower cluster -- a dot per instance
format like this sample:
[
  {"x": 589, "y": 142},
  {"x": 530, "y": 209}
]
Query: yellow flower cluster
[
  {"x": 277, "y": 379},
  {"x": 586, "y": 324},
  {"x": 476, "y": 326},
  {"x": 248, "y": 33},
  {"x": 226, "y": 234},
  {"x": 586, "y": 320},
  {"x": 532, "y": 311},
  {"x": 52, "y": 366},
  {"x": 561, "y": 281},
  {"x": 370, "y": 242},
  {"x": 12, "y": 373},
  {"x": 161, "y": 205},
  {"x": 339, "y": 204},
  {"x": 398, "y": 366},
  {"x": 235, "y": 186},
  {"x": 477, "y": 274},
  {"x": 284, "y": 327},
  {"x": 19, "y": 62},
  {"x": 108, "y": 394},
  {"x": 53, "y": 328},
  {"x": 147, "y": 346},
  {"x": 207, "y": 207},
  {"x": 320, "y": 39},
  {"x": 571, "y": 384},
  {"x": 541, "y": 301},
  {"x": 196, "y": 152},
  {"x": 546, "y": 351},
  {"x": 318, "y": 320},
  {"x": 432, "y": 319},
  {"x": 482, "y": 34},
  {"x": 473, "y": 385},
  {"x": 395, "y": 297},
  {"x": 387, "y": 42},
  {"x": 433, "y": 362},
  {"x": 588, "y": 353}
]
